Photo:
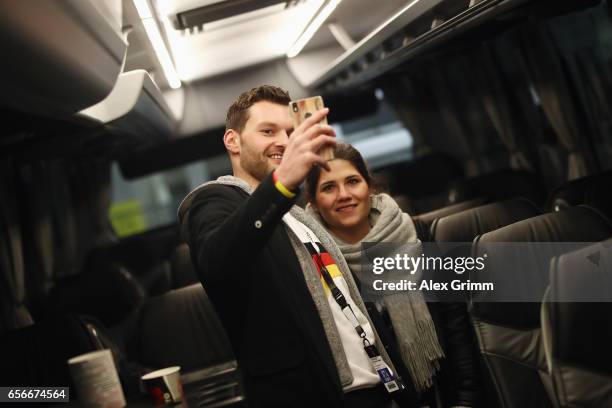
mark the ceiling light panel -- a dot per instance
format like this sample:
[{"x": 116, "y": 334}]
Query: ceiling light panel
[
  {"x": 169, "y": 7},
  {"x": 240, "y": 44},
  {"x": 312, "y": 28},
  {"x": 161, "y": 52},
  {"x": 255, "y": 14}
]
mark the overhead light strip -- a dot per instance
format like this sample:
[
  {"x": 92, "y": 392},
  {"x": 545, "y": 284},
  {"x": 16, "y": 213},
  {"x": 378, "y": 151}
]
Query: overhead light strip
[
  {"x": 240, "y": 18},
  {"x": 152, "y": 30},
  {"x": 312, "y": 28}
]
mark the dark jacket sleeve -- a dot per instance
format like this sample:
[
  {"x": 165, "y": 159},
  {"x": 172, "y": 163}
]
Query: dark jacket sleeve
[{"x": 226, "y": 229}]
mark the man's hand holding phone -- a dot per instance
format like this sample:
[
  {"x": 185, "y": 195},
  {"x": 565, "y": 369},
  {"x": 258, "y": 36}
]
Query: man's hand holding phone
[{"x": 302, "y": 151}]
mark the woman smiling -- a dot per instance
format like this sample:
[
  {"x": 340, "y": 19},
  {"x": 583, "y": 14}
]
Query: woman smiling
[{"x": 345, "y": 202}]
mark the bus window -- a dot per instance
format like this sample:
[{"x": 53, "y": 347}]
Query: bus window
[{"x": 149, "y": 202}]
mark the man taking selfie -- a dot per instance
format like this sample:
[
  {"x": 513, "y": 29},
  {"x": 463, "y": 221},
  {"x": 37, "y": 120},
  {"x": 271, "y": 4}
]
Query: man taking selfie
[{"x": 282, "y": 290}]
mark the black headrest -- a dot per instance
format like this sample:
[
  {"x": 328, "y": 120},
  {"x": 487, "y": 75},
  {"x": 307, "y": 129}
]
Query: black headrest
[
  {"x": 581, "y": 331},
  {"x": 574, "y": 224},
  {"x": 594, "y": 191},
  {"x": 182, "y": 328},
  {"x": 109, "y": 292},
  {"x": 466, "y": 225},
  {"x": 501, "y": 185},
  {"x": 430, "y": 216}
]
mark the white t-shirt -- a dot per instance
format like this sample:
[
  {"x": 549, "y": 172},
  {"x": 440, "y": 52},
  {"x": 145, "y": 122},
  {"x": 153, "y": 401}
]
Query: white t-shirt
[{"x": 363, "y": 373}]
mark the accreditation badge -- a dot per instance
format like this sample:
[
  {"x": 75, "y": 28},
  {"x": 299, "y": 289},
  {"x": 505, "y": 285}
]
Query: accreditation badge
[{"x": 383, "y": 370}]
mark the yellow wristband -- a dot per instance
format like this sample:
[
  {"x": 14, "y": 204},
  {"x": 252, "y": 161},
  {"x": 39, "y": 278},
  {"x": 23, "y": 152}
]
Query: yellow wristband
[{"x": 283, "y": 190}]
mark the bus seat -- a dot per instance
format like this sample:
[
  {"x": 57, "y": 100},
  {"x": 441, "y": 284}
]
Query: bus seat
[
  {"x": 577, "y": 327},
  {"x": 181, "y": 327},
  {"x": 427, "y": 218},
  {"x": 509, "y": 333},
  {"x": 183, "y": 272},
  {"x": 37, "y": 355},
  {"x": 464, "y": 226},
  {"x": 594, "y": 191},
  {"x": 108, "y": 292},
  {"x": 501, "y": 185}
]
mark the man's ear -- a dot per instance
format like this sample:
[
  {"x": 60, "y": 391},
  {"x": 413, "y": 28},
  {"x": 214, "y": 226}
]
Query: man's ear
[{"x": 231, "y": 139}]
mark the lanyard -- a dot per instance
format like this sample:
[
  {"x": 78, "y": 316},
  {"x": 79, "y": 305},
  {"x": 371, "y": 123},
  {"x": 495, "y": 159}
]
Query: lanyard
[
  {"x": 338, "y": 296},
  {"x": 335, "y": 291}
]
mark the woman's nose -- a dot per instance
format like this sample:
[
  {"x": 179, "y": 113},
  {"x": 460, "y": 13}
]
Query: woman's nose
[{"x": 343, "y": 192}]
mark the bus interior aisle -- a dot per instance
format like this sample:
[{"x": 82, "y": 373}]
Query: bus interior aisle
[{"x": 488, "y": 121}]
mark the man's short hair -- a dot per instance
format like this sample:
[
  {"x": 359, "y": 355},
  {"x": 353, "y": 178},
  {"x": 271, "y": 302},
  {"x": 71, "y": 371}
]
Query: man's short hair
[{"x": 238, "y": 112}]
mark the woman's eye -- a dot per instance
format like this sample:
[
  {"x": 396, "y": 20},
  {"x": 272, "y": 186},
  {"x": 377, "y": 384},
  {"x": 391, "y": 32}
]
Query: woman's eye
[
  {"x": 327, "y": 188},
  {"x": 353, "y": 181},
  {"x": 267, "y": 131}
]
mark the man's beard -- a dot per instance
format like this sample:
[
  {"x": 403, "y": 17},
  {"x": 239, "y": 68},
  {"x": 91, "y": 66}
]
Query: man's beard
[{"x": 255, "y": 164}]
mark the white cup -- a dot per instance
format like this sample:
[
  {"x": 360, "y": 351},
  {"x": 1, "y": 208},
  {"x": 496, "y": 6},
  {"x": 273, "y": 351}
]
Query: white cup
[
  {"x": 164, "y": 385},
  {"x": 96, "y": 380}
]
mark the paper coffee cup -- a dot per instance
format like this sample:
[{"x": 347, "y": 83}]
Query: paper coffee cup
[
  {"x": 164, "y": 385},
  {"x": 96, "y": 380}
]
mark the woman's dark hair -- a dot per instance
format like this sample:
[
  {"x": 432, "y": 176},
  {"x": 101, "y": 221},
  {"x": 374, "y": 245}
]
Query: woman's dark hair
[{"x": 342, "y": 151}]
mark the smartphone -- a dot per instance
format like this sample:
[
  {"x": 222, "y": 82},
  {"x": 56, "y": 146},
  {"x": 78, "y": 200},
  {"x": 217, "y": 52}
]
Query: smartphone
[{"x": 301, "y": 109}]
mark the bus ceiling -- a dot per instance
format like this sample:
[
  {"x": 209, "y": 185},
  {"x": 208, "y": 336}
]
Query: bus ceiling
[
  {"x": 330, "y": 44},
  {"x": 116, "y": 69},
  {"x": 423, "y": 26}
]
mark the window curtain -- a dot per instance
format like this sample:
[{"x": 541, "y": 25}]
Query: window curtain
[
  {"x": 454, "y": 109},
  {"x": 12, "y": 271},
  {"x": 550, "y": 158},
  {"x": 91, "y": 195},
  {"x": 36, "y": 218},
  {"x": 595, "y": 89},
  {"x": 598, "y": 92},
  {"x": 488, "y": 148},
  {"x": 411, "y": 96},
  {"x": 100, "y": 200},
  {"x": 409, "y": 108},
  {"x": 584, "y": 40},
  {"x": 64, "y": 222},
  {"x": 545, "y": 70},
  {"x": 492, "y": 88}
]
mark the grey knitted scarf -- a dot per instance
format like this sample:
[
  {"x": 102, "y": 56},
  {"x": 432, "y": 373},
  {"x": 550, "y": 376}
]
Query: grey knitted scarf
[
  {"x": 312, "y": 278},
  {"x": 412, "y": 323}
]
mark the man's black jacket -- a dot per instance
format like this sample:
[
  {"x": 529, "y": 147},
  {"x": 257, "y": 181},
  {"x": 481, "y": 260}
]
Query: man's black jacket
[{"x": 252, "y": 275}]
